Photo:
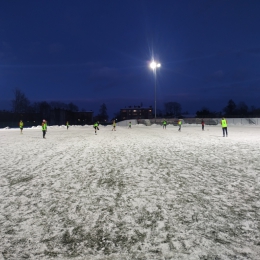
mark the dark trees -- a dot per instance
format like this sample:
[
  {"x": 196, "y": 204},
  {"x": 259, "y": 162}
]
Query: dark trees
[
  {"x": 72, "y": 107},
  {"x": 230, "y": 109},
  {"x": 233, "y": 110},
  {"x": 102, "y": 116},
  {"x": 43, "y": 108},
  {"x": 172, "y": 109},
  {"x": 20, "y": 103},
  {"x": 204, "y": 112},
  {"x": 242, "y": 109}
]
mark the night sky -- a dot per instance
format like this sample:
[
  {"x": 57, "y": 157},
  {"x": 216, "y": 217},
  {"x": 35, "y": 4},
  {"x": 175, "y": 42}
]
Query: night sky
[{"x": 94, "y": 52}]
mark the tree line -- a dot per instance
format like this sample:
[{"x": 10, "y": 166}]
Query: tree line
[
  {"x": 174, "y": 109},
  {"x": 21, "y": 104},
  {"x": 230, "y": 110}
]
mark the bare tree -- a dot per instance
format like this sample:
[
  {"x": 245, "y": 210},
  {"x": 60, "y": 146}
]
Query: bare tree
[
  {"x": 230, "y": 109},
  {"x": 43, "y": 108},
  {"x": 73, "y": 107},
  {"x": 20, "y": 103},
  {"x": 103, "y": 116},
  {"x": 242, "y": 109},
  {"x": 172, "y": 108}
]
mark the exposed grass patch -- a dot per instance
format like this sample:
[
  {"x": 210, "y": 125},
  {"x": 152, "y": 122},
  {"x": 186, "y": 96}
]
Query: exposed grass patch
[
  {"x": 51, "y": 253},
  {"x": 19, "y": 180}
]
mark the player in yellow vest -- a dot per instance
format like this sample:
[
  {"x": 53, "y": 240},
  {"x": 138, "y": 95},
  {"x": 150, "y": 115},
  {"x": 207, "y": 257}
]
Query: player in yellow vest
[
  {"x": 96, "y": 125},
  {"x": 164, "y": 124},
  {"x": 44, "y": 128},
  {"x": 114, "y": 125},
  {"x": 224, "y": 126},
  {"x": 179, "y": 123},
  {"x": 21, "y": 126},
  {"x": 67, "y": 124}
]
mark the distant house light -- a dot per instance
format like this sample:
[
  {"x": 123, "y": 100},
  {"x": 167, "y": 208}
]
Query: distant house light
[{"x": 134, "y": 110}]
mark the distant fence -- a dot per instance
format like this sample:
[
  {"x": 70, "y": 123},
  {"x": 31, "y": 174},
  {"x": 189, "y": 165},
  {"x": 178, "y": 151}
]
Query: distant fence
[
  {"x": 158, "y": 121},
  {"x": 208, "y": 121},
  {"x": 174, "y": 121},
  {"x": 15, "y": 124},
  {"x": 126, "y": 122}
]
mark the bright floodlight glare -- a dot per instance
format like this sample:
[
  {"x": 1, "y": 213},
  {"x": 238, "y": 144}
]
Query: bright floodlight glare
[{"x": 153, "y": 65}]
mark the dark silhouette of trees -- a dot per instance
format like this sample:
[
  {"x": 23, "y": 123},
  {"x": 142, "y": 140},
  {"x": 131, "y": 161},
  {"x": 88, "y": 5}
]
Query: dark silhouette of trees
[
  {"x": 255, "y": 112},
  {"x": 238, "y": 110},
  {"x": 72, "y": 107},
  {"x": 230, "y": 109},
  {"x": 60, "y": 105},
  {"x": 102, "y": 116},
  {"x": 242, "y": 109},
  {"x": 117, "y": 116},
  {"x": 172, "y": 109},
  {"x": 43, "y": 108},
  {"x": 57, "y": 105},
  {"x": 159, "y": 113},
  {"x": 204, "y": 112},
  {"x": 20, "y": 103}
]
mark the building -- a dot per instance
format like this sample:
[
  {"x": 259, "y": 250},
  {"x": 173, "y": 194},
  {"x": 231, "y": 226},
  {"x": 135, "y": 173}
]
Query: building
[{"x": 136, "y": 112}]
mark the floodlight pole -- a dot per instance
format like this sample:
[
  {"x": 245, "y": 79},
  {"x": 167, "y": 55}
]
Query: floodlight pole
[
  {"x": 155, "y": 93},
  {"x": 154, "y": 65}
]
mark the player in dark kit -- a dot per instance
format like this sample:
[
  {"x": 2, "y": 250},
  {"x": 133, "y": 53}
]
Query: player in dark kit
[{"x": 202, "y": 124}]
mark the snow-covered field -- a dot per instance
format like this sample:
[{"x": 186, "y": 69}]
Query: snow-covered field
[{"x": 140, "y": 193}]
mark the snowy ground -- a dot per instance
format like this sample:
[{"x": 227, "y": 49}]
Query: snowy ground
[{"x": 140, "y": 193}]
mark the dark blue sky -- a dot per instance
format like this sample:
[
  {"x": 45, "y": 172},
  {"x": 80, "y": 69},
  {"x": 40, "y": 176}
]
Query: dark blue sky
[{"x": 90, "y": 52}]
